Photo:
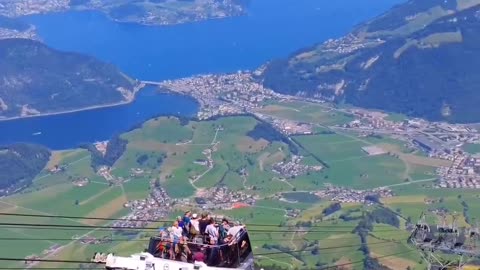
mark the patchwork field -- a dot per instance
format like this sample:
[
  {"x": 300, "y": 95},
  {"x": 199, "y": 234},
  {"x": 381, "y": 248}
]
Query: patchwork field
[
  {"x": 306, "y": 112},
  {"x": 172, "y": 151}
]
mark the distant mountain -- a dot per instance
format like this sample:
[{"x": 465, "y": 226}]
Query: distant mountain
[
  {"x": 420, "y": 58},
  {"x": 35, "y": 79},
  {"x": 19, "y": 165}
]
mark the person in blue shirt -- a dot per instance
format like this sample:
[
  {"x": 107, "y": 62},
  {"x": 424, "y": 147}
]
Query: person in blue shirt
[
  {"x": 186, "y": 223},
  {"x": 180, "y": 221}
]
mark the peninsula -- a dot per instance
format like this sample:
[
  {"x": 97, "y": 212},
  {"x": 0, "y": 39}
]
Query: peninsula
[
  {"x": 14, "y": 28},
  {"x": 166, "y": 12}
]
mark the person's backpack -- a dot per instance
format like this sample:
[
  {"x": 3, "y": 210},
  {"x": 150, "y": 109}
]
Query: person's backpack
[{"x": 192, "y": 230}]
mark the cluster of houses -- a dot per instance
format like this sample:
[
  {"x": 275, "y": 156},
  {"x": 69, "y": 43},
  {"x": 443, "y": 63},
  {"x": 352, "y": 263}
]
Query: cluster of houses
[
  {"x": 294, "y": 167},
  {"x": 224, "y": 94},
  {"x": 105, "y": 172},
  {"x": 348, "y": 44},
  {"x": 28, "y": 7},
  {"x": 222, "y": 197},
  {"x": 81, "y": 182},
  {"x": 91, "y": 240},
  {"x": 156, "y": 206},
  {"x": 464, "y": 173},
  {"x": 293, "y": 213},
  {"x": 137, "y": 172},
  {"x": 6, "y": 33},
  {"x": 347, "y": 195}
]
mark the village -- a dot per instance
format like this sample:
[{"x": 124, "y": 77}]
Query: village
[
  {"x": 6, "y": 33},
  {"x": 348, "y": 44},
  {"x": 221, "y": 95},
  {"x": 156, "y": 206},
  {"x": 221, "y": 197},
  {"x": 464, "y": 173},
  {"x": 294, "y": 167},
  {"x": 347, "y": 195},
  {"x": 28, "y": 7}
]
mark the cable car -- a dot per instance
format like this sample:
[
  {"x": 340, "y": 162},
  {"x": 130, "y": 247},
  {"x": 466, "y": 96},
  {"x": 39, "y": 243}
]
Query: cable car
[{"x": 163, "y": 254}]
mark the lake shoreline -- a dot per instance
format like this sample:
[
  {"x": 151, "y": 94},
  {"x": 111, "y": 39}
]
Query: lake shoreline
[
  {"x": 129, "y": 100},
  {"x": 172, "y": 52}
]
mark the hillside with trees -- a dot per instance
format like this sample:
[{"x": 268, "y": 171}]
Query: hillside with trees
[
  {"x": 115, "y": 149},
  {"x": 418, "y": 59},
  {"x": 20, "y": 164},
  {"x": 36, "y": 79}
]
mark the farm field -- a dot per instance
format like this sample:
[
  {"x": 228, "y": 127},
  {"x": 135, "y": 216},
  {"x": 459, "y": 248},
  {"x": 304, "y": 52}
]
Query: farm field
[
  {"x": 351, "y": 166},
  {"x": 56, "y": 195},
  {"x": 306, "y": 112},
  {"x": 171, "y": 151}
]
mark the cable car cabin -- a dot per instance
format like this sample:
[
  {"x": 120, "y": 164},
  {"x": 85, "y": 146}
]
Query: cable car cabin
[{"x": 167, "y": 253}]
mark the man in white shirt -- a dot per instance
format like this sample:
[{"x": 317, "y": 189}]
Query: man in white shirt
[
  {"x": 176, "y": 231},
  {"x": 195, "y": 222}
]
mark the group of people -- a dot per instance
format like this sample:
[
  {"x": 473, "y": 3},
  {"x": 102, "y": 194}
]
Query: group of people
[{"x": 202, "y": 239}]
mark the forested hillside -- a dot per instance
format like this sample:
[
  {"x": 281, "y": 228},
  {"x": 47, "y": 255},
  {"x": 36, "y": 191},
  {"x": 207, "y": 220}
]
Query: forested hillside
[
  {"x": 19, "y": 164},
  {"x": 35, "y": 79},
  {"x": 419, "y": 59}
]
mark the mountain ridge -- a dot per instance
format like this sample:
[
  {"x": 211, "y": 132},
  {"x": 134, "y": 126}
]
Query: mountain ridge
[
  {"x": 36, "y": 79},
  {"x": 401, "y": 61}
]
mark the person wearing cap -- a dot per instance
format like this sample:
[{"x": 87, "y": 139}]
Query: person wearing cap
[{"x": 194, "y": 226}]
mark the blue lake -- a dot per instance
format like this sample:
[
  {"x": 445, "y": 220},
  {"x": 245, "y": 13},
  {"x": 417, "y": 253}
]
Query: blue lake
[
  {"x": 68, "y": 130},
  {"x": 272, "y": 29}
]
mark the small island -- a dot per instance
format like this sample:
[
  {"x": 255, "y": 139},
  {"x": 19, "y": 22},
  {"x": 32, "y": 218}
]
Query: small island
[{"x": 145, "y": 12}]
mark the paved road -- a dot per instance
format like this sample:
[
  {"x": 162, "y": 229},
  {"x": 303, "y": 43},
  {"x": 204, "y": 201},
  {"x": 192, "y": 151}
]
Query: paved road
[{"x": 411, "y": 182}]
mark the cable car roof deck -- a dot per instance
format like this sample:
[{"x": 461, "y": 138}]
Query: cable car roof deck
[{"x": 230, "y": 251}]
